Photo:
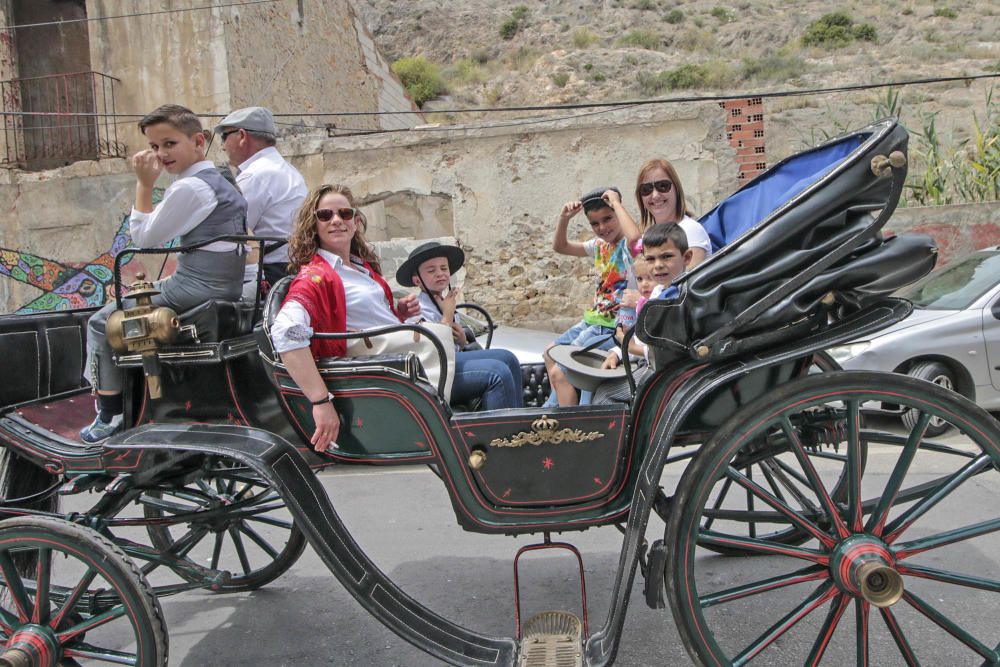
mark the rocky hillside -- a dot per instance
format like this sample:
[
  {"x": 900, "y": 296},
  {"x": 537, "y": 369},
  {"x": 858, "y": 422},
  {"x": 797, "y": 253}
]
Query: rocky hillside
[{"x": 532, "y": 52}]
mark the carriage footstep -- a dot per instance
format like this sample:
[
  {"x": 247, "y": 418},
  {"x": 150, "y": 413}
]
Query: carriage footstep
[{"x": 552, "y": 639}]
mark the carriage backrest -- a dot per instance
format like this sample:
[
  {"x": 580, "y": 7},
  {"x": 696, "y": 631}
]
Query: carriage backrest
[
  {"x": 272, "y": 304},
  {"x": 795, "y": 243}
]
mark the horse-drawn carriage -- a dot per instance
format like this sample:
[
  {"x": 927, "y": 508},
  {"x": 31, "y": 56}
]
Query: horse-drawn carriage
[{"x": 215, "y": 480}]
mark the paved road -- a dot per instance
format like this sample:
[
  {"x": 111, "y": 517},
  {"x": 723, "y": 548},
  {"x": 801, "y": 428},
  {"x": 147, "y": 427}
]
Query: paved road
[{"x": 403, "y": 518}]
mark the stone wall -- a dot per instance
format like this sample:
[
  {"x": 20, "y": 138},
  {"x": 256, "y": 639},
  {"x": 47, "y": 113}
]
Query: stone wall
[
  {"x": 319, "y": 59},
  {"x": 958, "y": 229}
]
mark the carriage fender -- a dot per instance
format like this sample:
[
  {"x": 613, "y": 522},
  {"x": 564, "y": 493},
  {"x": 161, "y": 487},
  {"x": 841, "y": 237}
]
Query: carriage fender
[{"x": 278, "y": 462}]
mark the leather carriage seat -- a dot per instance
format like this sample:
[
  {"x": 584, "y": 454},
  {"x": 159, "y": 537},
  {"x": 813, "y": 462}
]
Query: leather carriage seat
[{"x": 216, "y": 320}]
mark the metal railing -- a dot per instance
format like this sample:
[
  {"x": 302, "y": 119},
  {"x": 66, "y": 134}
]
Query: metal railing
[{"x": 52, "y": 120}]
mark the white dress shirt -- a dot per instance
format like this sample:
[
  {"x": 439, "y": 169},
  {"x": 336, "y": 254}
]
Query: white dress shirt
[
  {"x": 365, "y": 301},
  {"x": 186, "y": 203},
  {"x": 274, "y": 190}
]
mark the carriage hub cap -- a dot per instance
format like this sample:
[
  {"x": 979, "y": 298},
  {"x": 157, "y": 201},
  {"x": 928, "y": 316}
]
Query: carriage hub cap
[
  {"x": 34, "y": 645},
  {"x": 864, "y": 567}
]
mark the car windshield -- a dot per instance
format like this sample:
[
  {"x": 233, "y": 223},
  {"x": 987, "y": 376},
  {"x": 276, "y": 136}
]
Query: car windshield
[{"x": 957, "y": 285}]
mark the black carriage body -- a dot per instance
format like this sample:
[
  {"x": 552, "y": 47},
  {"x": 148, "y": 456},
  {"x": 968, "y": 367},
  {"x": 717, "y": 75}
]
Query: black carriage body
[{"x": 807, "y": 275}]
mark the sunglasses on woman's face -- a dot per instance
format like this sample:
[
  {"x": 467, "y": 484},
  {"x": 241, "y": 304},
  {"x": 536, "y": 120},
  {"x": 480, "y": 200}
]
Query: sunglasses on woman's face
[
  {"x": 326, "y": 214},
  {"x": 663, "y": 187}
]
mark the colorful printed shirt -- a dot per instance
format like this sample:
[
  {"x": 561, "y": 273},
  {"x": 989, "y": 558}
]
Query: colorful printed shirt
[{"x": 613, "y": 262}]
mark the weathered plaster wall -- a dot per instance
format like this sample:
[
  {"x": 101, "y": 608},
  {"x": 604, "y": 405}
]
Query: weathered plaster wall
[
  {"x": 321, "y": 60},
  {"x": 958, "y": 229}
]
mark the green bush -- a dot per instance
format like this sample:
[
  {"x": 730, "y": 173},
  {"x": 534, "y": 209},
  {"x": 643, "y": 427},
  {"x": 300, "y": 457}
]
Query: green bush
[
  {"x": 836, "y": 30},
  {"x": 711, "y": 74},
  {"x": 773, "y": 67},
  {"x": 509, "y": 28},
  {"x": 643, "y": 39},
  {"x": 560, "y": 79},
  {"x": 645, "y": 5},
  {"x": 519, "y": 13},
  {"x": 421, "y": 78},
  {"x": 674, "y": 16},
  {"x": 598, "y": 77},
  {"x": 946, "y": 12},
  {"x": 467, "y": 71},
  {"x": 583, "y": 38},
  {"x": 724, "y": 14}
]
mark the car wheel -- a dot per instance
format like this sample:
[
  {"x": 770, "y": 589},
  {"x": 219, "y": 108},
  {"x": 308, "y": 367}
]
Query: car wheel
[{"x": 939, "y": 374}]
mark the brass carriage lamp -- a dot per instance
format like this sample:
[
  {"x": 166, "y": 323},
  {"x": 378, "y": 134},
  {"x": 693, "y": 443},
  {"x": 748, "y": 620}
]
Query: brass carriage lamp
[{"x": 143, "y": 329}]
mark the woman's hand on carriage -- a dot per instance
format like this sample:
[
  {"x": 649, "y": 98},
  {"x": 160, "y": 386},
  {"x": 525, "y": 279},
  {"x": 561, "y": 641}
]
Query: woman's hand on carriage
[
  {"x": 408, "y": 307},
  {"x": 327, "y": 426},
  {"x": 458, "y": 333},
  {"x": 611, "y": 361}
]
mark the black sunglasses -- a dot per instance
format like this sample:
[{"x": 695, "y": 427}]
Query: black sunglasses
[
  {"x": 663, "y": 187},
  {"x": 227, "y": 133},
  {"x": 326, "y": 214}
]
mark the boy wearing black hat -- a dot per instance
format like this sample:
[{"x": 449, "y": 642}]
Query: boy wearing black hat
[
  {"x": 612, "y": 255},
  {"x": 494, "y": 375}
]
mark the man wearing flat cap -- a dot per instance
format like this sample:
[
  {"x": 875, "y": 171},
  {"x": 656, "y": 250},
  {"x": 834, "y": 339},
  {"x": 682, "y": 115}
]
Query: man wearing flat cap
[{"x": 273, "y": 188}]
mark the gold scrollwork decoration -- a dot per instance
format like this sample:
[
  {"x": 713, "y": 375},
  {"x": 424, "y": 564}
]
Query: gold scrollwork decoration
[{"x": 545, "y": 430}]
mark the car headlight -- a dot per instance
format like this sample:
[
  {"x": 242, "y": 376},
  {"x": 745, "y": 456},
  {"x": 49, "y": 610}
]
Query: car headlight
[{"x": 842, "y": 353}]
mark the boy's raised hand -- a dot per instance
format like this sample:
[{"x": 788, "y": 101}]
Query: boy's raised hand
[
  {"x": 147, "y": 167},
  {"x": 611, "y": 197},
  {"x": 570, "y": 209}
]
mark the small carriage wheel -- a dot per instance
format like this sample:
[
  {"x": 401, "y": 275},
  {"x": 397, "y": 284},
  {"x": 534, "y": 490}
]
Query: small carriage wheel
[
  {"x": 909, "y": 548},
  {"x": 939, "y": 374},
  {"x": 240, "y": 525},
  {"x": 84, "y": 603}
]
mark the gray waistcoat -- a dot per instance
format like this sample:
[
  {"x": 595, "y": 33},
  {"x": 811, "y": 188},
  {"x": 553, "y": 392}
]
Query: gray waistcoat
[{"x": 229, "y": 216}]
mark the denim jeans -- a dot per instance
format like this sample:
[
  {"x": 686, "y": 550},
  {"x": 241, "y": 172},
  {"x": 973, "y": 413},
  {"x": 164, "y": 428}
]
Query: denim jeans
[{"x": 495, "y": 375}]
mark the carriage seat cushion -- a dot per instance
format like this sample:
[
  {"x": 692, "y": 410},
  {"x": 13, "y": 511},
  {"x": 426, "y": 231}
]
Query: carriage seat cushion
[{"x": 217, "y": 320}]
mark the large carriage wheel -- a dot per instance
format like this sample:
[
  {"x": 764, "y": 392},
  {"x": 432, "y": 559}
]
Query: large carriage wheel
[
  {"x": 911, "y": 550},
  {"x": 240, "y": 524},
  {"x": 85, "y": 602},
  {"x": 741, "y": 511}
]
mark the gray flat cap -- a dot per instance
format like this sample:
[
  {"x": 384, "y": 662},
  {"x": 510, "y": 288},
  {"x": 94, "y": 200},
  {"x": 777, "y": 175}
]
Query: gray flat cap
[{"x": 255, "y": 119}]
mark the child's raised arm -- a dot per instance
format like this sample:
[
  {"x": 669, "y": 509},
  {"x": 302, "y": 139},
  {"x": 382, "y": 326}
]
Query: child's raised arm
[
  {"x": 560, "y": 242},
  {"x": 630, "y": 229}
]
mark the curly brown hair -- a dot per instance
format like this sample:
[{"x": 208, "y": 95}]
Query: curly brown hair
[
  {"x": 646, "y": 216},
  {"x": 304, "y": 241}
]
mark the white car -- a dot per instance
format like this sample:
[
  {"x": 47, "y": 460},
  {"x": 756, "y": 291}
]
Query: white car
[{"x": 951, "y": 338}]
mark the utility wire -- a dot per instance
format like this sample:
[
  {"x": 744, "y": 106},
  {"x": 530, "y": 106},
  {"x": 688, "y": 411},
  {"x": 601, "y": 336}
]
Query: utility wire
[{"x": 150, "y": 13}]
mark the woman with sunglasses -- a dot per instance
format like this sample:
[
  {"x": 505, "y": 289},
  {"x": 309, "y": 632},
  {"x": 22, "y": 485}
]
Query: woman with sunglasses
[
  {"x": 338, "y": 287},
  {"x": 660, "y": 196}
]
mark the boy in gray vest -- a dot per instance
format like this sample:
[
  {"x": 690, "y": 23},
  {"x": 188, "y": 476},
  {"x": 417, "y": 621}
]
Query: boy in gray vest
[{"x": 198, "y": 206}]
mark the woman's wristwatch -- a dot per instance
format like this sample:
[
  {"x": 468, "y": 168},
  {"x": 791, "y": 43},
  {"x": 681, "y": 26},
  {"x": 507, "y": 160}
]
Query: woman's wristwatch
[{"x": 326, "y": 399}]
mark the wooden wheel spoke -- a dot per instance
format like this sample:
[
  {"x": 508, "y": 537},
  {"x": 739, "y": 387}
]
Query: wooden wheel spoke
[
  {"x": 815, "y": 483},
  {"x": 951, "y": 627},
  {"x": 897, "y": 635},
  {"x": 945, "y": 576},
  {"x": 825, "y": 592},
  {"x": 43, "y": 576},
  {"x": 74, "y": 596},
  {"x": 754, "y": 489},
  {"x": 15, "y": 585},
  {"x": 259, "y": 540},
  {"x": 876, "y": 523},
  {"x": 862, "y": 613},
  {"x": 718, "y": 502},
  {"x": 166, "y": 505},
  {"x": 89, "y": 624},
  {"x": 855, "y": 467},
  {"x": 837, "y": 608},
  {"x": 948, "y": 484},
  {"x": 90, "y": 652},
  {"x": 241, "y": 550},
  {"x": 907, "y": 549},
  {"x": 272, "y": 521},
  {"x": 787, "y": 475},
  {"x": 7, "y": 622},
  {"x": 217, "y": 550},
  {"x": 772, "y": 482},
  {"x": 810, "y": 573},
  {"x": 760, "y": 546}
]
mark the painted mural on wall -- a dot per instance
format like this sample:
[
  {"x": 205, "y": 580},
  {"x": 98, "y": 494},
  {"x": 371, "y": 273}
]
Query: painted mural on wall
[{"x": 73, "y": 285}]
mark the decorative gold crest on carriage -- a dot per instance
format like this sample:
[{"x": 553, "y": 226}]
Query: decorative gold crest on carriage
[{"x": 546, "y": 430}]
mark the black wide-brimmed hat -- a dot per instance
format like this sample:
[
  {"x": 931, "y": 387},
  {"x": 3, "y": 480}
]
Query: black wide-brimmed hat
[
  {"x": 583, "y": 366},
  {"x": 422, "y": 253}
]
